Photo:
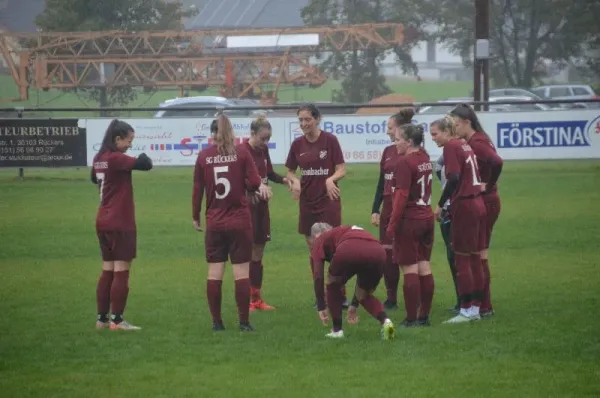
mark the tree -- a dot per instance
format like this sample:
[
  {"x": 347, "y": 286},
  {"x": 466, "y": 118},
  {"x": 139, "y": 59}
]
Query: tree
[
  {"x": 529, "y": 38},
  {"x": 96, "y": 15},
  {"x": 362, "y": 79}
]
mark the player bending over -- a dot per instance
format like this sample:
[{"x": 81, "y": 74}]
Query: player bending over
[
  {"x": 257, "y": 146},
  {"x": 350, "y": 251},
  {"x": 463, "y": 188},
  {"x": 115, "y": 222},
  {"x": 490, "y": 166},
  {"x": 383, "y": 195},
  {"x": 412, "y": 224},
  {"x": 319, "y": 156},
  {"x": 226, "y": 172}
]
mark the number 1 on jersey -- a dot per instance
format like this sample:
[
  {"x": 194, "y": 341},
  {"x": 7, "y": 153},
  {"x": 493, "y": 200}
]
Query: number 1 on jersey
[
  {"x": 222, "y": 181},
  {"x": 474, "y": 169},
  {"x": 100, "y": 179},
  {"x": 423, "y": 183}
]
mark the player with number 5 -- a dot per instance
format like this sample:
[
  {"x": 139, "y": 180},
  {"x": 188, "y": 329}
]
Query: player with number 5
[
  {"x": 411, "y": 224},
  {"x": 463, "y": 188},
  {"x": 115, "y": 222},
  {"x": 226, "y": 172}
]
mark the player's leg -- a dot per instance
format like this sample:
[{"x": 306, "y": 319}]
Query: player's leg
[
  {"x": 216, "y": 246},
  {"x": 124, "y": 252},
  {"x": 240, "y": 254},
  {"x": 333, "y": 217},
  {"x": 256, "y": 278},
  {"x": 406, "y": 256},
  {"x": 479, "y": 221},
  {"x": 446, "y": 228},
  {"x": 391, "y": 272},
  {"x": 464, "y": 239},
  {"x": 335, "y": 297},
  {"x": 424, "y": 268},
  {"x": 104, "y": 283},
  {"x": 492, "y": 207}
]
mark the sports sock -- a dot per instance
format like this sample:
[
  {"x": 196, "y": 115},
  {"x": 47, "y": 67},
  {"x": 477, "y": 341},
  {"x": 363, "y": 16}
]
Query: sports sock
[
  {"x": 412, "y": 295},
  {"x": 118, "y": 295},
  {"x": 103, "y": 295},
  {"x": 478, "y": 279},
  {"x": 464, "y": 279},
  {"x": 391, "y": 277},
  {"x": 427, "y": 288},
  {"x": 374, "y": 307},
  {"x": 214, "y": 297},
  {"x": 335, "y": 299},
  {"x": 242, "y": 298}
]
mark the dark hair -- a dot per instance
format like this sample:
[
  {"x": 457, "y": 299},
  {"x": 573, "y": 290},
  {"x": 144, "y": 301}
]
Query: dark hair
[
  {"x": 404, "y": 116},
  {"x": 258, "y": 124},
  {"x": 214, "y": 127},
  {"x": 445, "y": 124},
  {"x": 413, "y": 132},
  {"x": 224, "y": 137},
  {"x": 312, "y": 108},
  {"x": 465, "y": 112},
  {"x": 116, "y": 128}
]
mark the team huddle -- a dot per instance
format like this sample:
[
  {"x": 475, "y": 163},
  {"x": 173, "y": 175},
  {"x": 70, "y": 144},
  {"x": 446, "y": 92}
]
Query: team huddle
[{"x": 234, "y": 182}]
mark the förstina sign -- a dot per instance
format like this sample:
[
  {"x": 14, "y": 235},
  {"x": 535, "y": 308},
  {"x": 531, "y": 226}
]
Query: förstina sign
[{"x": 42, "y": 143}]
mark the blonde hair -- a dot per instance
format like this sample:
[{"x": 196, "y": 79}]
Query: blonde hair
[
  {"x": 224, "y": 137},
  {"x": 319, "y": 228},
  {"x": 260, "y": 123},
  {"x": 446, "y": 124}
]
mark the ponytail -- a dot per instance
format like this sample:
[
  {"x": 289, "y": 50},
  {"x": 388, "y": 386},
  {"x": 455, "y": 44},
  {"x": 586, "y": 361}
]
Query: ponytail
[{"x": 224, "y": 137}]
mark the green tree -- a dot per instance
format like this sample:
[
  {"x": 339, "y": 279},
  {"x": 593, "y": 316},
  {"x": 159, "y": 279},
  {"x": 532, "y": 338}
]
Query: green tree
[
  {"x": 362, "y": 79},
  {"x": 97, "y": 15},
  {"x": 529, "y": 38}
]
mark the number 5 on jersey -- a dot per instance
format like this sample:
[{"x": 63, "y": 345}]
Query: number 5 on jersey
[{"x": 222, "y": 181}]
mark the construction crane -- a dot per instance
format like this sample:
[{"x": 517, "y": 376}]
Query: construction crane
[{"x": 186, "y": 59}]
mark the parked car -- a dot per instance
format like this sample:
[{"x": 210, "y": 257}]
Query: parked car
[
  {"x": 570, "y": 92},
  {"x": 512, "y": 92},
  {"x": 520, "y": 107},
  {"x": 206, "y": 101}
]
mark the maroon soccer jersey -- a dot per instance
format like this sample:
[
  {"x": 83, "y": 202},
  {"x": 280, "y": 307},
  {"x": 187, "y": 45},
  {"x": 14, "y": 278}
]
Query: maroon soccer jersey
[
  {"x": 387, "y": 166},
  {"x": 325, "y": 246},
  {"x": 317, "y": 161},
  {"x": 225, "y": 179},
  {"x": 486, "y": 157},
  {"x": 414, "y": 176},
  {"x": 460, "y": 159},
  {"x": 113, "y": 175}
]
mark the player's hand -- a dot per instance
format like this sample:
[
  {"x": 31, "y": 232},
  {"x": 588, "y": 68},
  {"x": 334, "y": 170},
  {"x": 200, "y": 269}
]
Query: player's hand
[
  {"x": 295, "y": 189},
  {"x": 197, "y": 225},
  {"x": 389, "y": 232},
  {"x": 286, "y": 181},
  {"x": 333, "y": 191},
  {"x": 264, "y": 192},
  {"x": 352, "y": 315},
  {"x": 483, "y": 187},
  {"x": 324, "y": 317},
  {"x": 438, "y": 213},
  {"x": 375, "y": 219}
]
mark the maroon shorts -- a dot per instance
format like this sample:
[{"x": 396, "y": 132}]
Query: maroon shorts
[
  {"x": 117, "y": 245},
  {"x": 468, "y": 225},
  {"x": 413, "y": 241},
  {"x": 261, "y": 223},
  {"x": 363, "y": 258},
  {"x": 235, "y": 245},
  {"x": 492, "y": 211},
  {"x": 384, "y": 221},
  {"x": 332, "y": 215}
]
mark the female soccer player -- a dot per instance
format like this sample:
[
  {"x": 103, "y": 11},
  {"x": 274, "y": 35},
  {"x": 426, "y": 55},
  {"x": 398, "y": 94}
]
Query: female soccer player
[
  {"x": 226, "y": 172},
  {"x": 490, "y": 166},
  {"x": 321, "y": 161},
  {"x": 257, "y": 146},
  {"x": 115, "y": 222},
  {"x": 463, "y": 188},
  {"x": 411, "y": 223},
  {"x": 383, "y": 194}
]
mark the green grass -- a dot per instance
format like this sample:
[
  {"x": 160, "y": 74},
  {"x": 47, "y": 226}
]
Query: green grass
[
  {"x": 543, "y": 342},
  {"x": 421, "y": 91}
]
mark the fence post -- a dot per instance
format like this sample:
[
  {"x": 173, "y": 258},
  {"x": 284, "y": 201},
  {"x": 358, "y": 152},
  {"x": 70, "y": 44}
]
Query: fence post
[{"x": 21, "y": 171}]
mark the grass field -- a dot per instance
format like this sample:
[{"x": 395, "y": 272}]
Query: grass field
[
  {"x": 543, "y": 341},
  {"x": 421, "y": 91}
]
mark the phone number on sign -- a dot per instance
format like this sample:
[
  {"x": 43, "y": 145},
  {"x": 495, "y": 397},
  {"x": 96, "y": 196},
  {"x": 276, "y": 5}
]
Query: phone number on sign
[
  {"x": 362, "y": 155},
  {"x": 25, "y": 150}
]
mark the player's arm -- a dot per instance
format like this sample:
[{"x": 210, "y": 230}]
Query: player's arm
[
  {"x": 319, "y": 282},
  {"x": 402, "y": 179},
  {"x": 439, "y": 166},
  {"x": 198, "y": 190},
  {"x": 378, "y": 194},
  {"x": 272, "y": 175},
  {"x": 253, "y": 180},
  {"x": 487, "y": 154},
  {"x": 122, "y": 162},
  {"x": 452, "y": 168},
  {"x": 93, "y": 177},
  {"x": 338, "y": 159},
  {"x": 143, "y": 163}
]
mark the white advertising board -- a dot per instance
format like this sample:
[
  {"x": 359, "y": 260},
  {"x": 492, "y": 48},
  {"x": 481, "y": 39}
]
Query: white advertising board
[{"x": 565, "y": 134}]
